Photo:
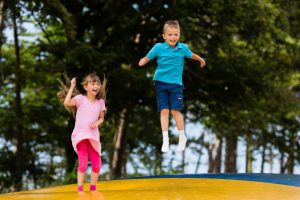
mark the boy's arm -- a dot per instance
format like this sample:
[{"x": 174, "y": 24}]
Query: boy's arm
[
  {"x": 144, "y": 61},
  {"x": 150, "y": 55},
  {"x": 198, "y": 58}
]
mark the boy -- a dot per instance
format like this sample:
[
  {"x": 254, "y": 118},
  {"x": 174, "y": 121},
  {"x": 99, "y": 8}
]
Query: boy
[{"x": 168, "y": 79}]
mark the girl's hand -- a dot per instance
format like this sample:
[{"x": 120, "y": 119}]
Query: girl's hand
[
  {"x": 96, "y": 124},
  {"x": 73, "y": 82}
]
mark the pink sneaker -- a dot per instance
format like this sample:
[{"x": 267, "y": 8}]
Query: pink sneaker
[
  {"x": 79, "y": 188},
  {"x": 92, "y": 188}
]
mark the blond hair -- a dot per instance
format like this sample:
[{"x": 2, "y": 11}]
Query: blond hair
[
  {"x": 65, "y": 86},
  {"x": 171, "y": 24}
]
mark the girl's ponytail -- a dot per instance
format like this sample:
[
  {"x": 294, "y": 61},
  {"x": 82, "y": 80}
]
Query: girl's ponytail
[{"x": 63, "y": 91}]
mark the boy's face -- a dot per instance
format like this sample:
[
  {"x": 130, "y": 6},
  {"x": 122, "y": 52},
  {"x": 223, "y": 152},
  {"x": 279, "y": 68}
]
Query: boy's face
[{"x": 171, "y": 36}]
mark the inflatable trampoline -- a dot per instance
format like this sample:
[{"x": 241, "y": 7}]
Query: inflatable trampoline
[{"x": 177, "y": 187}]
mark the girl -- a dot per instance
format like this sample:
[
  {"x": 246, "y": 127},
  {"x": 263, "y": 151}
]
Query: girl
[{"x": 90, "y": 110}]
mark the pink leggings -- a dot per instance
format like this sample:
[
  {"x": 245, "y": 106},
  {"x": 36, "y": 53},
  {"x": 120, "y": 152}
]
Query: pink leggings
[{"x": 86, "y": 151}]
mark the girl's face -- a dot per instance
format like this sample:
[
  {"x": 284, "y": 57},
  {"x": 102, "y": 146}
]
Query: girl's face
[
  {"x": 171, "y": 36},
  {"x": 92, "y": 88}
]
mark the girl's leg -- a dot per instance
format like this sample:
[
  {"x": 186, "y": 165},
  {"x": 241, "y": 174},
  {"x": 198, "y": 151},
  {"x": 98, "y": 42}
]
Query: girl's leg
[
  {"x": 82, "y": 163},
  {"x": 96, "y": 165},
  {"x": 180, "y": 125},
  {"x": 164, "y": 121},
  {"x": 80, "y": 181},
  {"x": 94, "y": 176}
]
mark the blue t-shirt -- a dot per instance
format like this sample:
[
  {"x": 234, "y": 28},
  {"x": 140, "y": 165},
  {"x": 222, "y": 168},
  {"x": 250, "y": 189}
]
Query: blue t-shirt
[{"x": 170, "y": 61}]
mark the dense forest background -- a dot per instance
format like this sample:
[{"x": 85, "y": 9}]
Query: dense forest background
[{"x": 247, "y": 96}]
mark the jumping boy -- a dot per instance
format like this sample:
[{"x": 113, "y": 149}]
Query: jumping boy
[{"x": 168, "y": 79}]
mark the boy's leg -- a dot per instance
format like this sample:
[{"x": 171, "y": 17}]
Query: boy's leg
[
  {"x": 180, "y": 125},
  {"x": 176, "y": 101},
  {"x": 164, "y": 121},
  {"x": 163, "y": 105},
  {"x": 178, "y": 119},
  {"x": 96, "y": 165}
]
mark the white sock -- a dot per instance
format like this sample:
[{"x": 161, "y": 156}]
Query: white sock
[
  {"x": 165, "y": 145},
  {"x": 165, "y": 135},
  {"x": 182, "y": 141},
  {"x": 181, "y": 134}
]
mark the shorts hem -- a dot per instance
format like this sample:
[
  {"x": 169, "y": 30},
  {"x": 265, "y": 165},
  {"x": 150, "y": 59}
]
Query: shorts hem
[
  {"x": 178, "y": 109},
  {"x": 160, "y": 109}
]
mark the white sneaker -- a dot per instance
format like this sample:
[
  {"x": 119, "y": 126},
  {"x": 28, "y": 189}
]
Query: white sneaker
[
  {"x": 181, "y": 144},
  {"x": 165, "y": 146}
]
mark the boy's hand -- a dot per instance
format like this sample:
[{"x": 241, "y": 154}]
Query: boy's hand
[
  {"x": 198, "y": 58},
  {"x": 143, "y": 61},
  {"x": 202, "y": 63}
]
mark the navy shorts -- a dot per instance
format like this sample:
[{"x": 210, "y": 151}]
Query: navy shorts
[{"x": 168, "y": 96}]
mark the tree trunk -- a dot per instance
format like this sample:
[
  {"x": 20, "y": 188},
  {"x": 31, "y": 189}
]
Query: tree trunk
[
  {"x": 282, "y": 164},
  {"x": 121, "y": 162},
  {"x": 69, "y": 151},
  {"x": 230, "y": 157},
  {"x": 1, "y": 37},
  {"x": 183, "y": 153},
  {"x": 215, "y": 156},
  {"x": 263, "y": 158},
  {"x": 248, "y": 153},
  {"x": 182, "y": 162},
  {"x": 282, "y": 154},
  {"x": 124, "y": 157},
  {"x": 291, "y": 154},
  {"x": 18, "y": 111},
  {"x": 32, "y": 167},
  {"x": 201, "y": 143},
  {"x": 290, "y": 164},
  {"x": 271, "y": 156},
  {"x": 1, "y": 18},
  {"x": 117, "y": 142},
  {"x": 158, "y": 167}
]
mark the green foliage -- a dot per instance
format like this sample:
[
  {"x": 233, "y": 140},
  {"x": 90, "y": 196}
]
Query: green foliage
[{"x": 250, "y": 83}]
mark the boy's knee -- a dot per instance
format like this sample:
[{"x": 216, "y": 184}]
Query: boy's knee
[
  {"x": 164, "y": 111},
  {"x": 175, "y": 112}
]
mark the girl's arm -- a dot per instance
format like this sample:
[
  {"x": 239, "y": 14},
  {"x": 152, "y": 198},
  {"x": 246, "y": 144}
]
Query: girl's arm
[
  {"x": 69, "y": 102},
  {"x": 100, "y": 121},
  {"x": 198, "y": 58},
  {"x": 144, "y": 61}
]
